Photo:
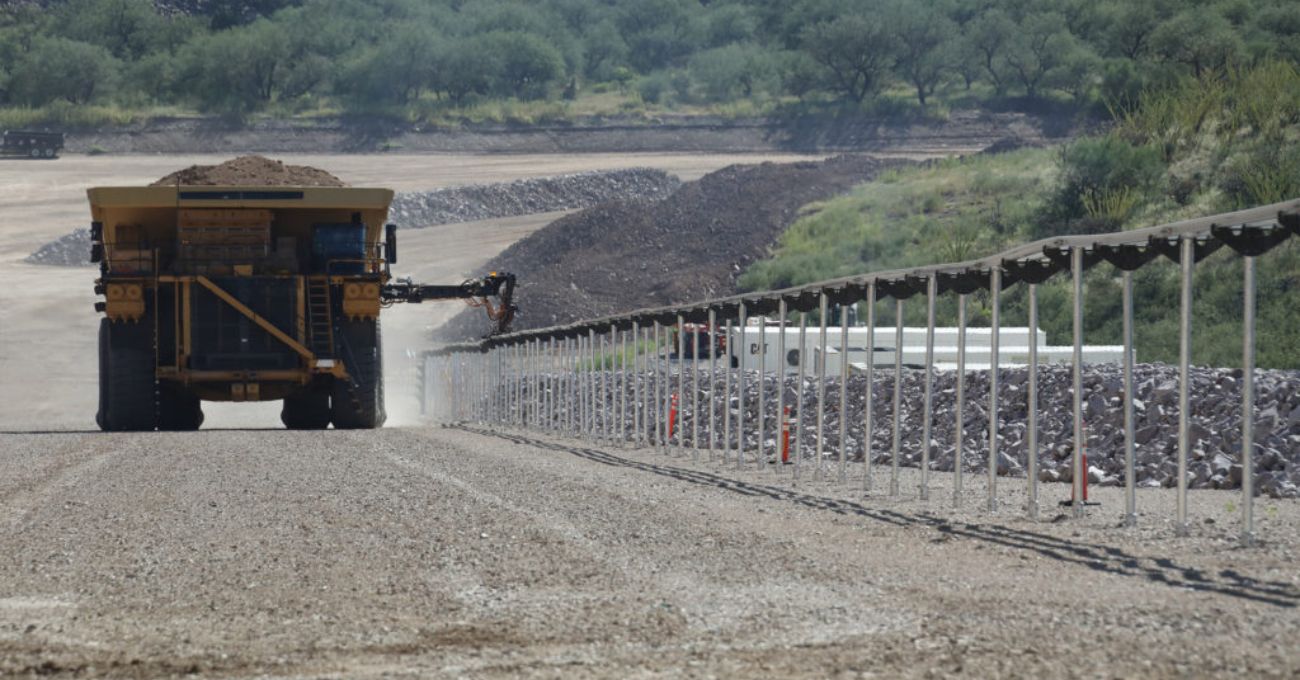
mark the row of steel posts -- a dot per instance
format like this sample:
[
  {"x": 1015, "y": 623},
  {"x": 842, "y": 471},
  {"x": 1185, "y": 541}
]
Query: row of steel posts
[{"x": 585, "y": 386}]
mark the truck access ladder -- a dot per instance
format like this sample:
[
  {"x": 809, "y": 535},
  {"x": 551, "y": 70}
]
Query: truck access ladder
[{"x": 318, "y": 317}]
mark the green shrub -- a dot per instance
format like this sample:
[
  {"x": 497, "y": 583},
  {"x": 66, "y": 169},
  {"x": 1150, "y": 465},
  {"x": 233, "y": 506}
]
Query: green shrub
[
  {"x": 653, "y": 87},
  {"x": 1266, "y": 174},
  {"x": 1099, "y": 172}
]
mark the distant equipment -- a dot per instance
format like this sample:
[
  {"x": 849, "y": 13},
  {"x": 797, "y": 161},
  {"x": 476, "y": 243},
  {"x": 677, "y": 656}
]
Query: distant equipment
[
  {"x": 229, "y": 293},
  {"x": 32, "y": 144}
]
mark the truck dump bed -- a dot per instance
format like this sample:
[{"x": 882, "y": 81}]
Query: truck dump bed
[{"x": 187, "y": 229}]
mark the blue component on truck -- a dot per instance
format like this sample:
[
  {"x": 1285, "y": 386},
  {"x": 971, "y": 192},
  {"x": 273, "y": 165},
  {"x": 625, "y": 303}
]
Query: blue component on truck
[{"x": 340, "y": 247}]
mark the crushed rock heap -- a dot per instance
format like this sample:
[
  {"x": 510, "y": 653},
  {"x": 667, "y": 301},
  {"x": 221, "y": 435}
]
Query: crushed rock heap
[
  {"x": 528, "y": 196},
  {"x": 251, "y": 171},
  {"x": 649, "y": 251}
]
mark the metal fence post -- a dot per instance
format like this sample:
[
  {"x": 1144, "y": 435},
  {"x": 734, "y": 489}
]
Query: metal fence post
[
  {"x": 995, "y": 360},
  {"x": 726, "y": 397},
  {"x": 681, "y": 384},
  {"x": 823, "y": 309},
  {"x": 761, "y": 457},
  {"x": 1076, "y": 464},
  {"x": 637, "y": 406},
  {"x": 713, "y": 380},
  {"x": 844, "y": 393},
  {"x": 1031, "y": 455},
  {"x": 868, "y": 418},
  {"x": 898, "y": 395},
  {"x": 695, "y": 395},
  {"x": 798, "y": 419},
  {"x": 658, "y": 389},
  {"x": 1187, "y": 246},
  {"x": 606, "y": 399},
  {"x": 1130, "y": 421},
  {"x": 959, "y": 426},
  {"x": 782, "y": 312},
  {"x": 622, "y": 388},
  {"x": 1248, "y": 403},
  {"x": 931, "y": 290},
  {"x": 661, "y": 391},
  {"x": 740, "y": 390}
]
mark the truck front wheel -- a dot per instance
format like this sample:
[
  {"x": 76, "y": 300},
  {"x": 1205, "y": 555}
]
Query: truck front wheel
[{"x": 127, "y": 401}]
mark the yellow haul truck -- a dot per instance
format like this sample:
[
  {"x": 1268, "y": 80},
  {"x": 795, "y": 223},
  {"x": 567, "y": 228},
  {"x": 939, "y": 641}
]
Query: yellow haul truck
[{"x": 228, "y": 293}]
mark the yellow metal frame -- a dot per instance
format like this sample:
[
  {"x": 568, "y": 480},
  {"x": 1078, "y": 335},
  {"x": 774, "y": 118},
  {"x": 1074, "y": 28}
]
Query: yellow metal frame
[{"x": 184, "y": 338}]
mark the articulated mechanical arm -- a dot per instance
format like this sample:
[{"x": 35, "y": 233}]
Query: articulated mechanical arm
[{"x": 476, "y": 292}]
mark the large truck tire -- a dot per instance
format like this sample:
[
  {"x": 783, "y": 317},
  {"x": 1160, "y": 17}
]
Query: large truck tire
[
  {"x": 129, "y": 403},
  {"x": 360, "y": 406},
  {"x": 101, "y": 415},
  {"x": 178, "y": 409},
  {"x": 306, "y": 410}
]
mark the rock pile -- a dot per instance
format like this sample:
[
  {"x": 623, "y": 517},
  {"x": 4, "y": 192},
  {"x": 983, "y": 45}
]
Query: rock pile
[
  {"x": 69, "y": 250},
  {"x": 688, "y": 246},
  {"x": 528, "y": 196},
  {"x": 1215, "y": 397}
]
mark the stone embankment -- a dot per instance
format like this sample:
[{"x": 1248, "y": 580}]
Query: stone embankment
[
  {"x": 1215, "y": 430},
  {"x": 528, "y": 196}
]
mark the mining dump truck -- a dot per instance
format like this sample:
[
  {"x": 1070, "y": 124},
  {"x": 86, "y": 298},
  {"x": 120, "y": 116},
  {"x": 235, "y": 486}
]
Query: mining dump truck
[{"x": 228, "y": 293}]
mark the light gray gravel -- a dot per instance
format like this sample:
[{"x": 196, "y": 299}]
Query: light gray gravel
[
  {"x": 528, "y": 196},
  {"x": 418, "y": 552}
]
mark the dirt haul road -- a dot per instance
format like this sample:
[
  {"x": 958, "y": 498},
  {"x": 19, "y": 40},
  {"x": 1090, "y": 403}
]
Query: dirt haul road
[
  {"x": 47, "y": 325},
  {"x": 451, "y": 553}
]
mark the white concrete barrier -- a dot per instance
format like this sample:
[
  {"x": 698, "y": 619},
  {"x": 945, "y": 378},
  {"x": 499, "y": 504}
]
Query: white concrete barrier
[{"x": 1013, "y": 348}]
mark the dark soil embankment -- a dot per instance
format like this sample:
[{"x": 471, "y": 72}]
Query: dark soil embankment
[
  {"x": 961, "y": 132},
  {"x": 689, "y": 246}
]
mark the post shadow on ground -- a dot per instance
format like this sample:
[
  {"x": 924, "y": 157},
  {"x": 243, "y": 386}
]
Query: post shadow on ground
[{"x": 1108, "y": 559}]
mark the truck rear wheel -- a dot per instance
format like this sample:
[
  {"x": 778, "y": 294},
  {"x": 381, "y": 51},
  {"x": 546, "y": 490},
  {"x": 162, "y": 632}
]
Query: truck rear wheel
[
  {"x": 102, "y": 414},
  {"x": 178, "y": 409},
  {"x": 126, "y": 373},
  {"x": 306, "y": 410},
  {"x": 360, "y": 406}
]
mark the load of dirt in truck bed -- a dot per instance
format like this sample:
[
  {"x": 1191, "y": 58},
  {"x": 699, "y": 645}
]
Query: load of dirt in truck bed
[
  {"x": 689, "y": 246},
  {"x": 251, "y": 171}
]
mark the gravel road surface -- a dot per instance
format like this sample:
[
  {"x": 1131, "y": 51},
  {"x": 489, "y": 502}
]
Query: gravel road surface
[{"x": 447, "y": 552}]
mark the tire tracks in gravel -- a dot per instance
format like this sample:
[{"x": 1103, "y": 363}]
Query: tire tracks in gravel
[
  {"x": 72, "y": 461},
  {"x": 726, "y": 568}
]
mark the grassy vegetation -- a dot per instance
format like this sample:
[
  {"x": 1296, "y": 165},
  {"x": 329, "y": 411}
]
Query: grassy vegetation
[
  {"x": 946, "y": 211},
  {"x": 450, "y": 62},
  {"x": 1238, "y": 152}
]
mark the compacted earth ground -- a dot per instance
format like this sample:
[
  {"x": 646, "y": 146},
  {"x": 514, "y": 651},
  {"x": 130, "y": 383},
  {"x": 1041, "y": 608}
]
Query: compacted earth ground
[{"x": 465, "y": 553}]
